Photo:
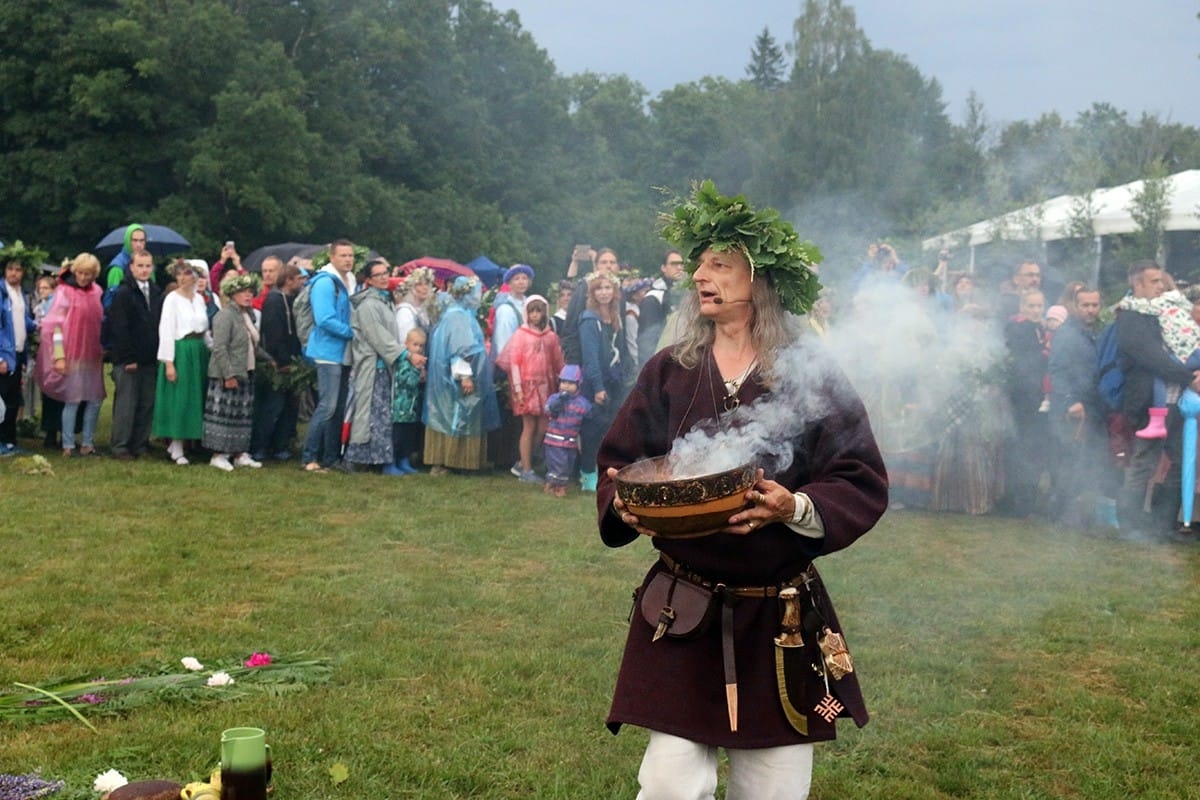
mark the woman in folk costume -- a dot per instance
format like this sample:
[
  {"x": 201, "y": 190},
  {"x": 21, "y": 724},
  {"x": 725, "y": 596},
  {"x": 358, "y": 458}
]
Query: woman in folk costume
[
  {"x": 375, "y": 349},
  {"x": 460, "y": 399},
  {"x": 184, "y": 342},
  {"x": 229, "y": 398},
  {"x": 748, "y": 681},
  {"x": 412, "y": 310}
]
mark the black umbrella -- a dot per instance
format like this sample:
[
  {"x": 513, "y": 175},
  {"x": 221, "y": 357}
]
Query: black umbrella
[
  {"x": 284, "y": 251},
  {"x": 160, "y": 241}
]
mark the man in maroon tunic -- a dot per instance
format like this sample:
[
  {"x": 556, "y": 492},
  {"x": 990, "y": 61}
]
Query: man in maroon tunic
[{"x": 743, "y": 364}]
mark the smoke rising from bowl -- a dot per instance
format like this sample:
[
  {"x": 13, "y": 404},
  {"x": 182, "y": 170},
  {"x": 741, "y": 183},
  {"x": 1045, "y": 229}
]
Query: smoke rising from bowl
[{"x": 763, "y": 431}]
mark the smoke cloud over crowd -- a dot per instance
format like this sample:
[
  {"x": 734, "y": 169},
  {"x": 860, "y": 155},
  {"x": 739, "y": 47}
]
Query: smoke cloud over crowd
[{"x": 912, "y": 363}]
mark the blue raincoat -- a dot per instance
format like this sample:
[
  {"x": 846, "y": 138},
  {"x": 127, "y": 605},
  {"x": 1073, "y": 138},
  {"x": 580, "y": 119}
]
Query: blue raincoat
[{"x": 455, "y": 345}]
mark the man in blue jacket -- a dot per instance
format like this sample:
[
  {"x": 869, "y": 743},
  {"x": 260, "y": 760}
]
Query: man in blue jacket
[{"x": 329, "y": 348}]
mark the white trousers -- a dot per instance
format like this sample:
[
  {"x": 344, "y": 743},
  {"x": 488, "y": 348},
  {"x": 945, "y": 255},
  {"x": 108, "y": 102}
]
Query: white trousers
[{"x": 679, "y": 769}]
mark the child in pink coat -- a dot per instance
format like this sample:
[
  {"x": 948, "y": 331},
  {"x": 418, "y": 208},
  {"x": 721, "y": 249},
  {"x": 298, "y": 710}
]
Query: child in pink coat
[{"x": 532, "y": 358}]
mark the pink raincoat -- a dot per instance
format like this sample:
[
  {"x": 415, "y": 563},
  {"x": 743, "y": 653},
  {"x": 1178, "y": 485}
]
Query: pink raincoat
[
  {"x": 75, "y": 317},
  {"x": 532, "y": 358}
]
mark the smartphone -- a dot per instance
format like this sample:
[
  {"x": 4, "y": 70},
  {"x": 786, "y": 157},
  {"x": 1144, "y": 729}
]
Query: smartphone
[
  {"x": 229, "y": 243},
  {"x": 582, "y": 252}
]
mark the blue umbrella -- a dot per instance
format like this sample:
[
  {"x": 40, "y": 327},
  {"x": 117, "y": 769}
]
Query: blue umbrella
[
  {"x": 1189, "y": 407},
  {"x": 160, "y": 241}
]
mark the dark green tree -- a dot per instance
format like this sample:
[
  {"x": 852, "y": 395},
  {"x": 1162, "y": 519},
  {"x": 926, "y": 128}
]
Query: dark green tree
[
  {"x": 440, "y": 127},
  {"x": 704, "y": 130},
  {"x": 765, "y": 69}
]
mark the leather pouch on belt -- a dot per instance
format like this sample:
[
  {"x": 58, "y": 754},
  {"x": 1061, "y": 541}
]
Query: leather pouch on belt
[{"x": 677, "y": 608}]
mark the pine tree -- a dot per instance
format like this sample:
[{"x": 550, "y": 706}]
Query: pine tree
[{"x": 765, "y": 69}]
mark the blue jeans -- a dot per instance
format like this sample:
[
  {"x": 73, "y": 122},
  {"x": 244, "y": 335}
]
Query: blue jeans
[
  {"x": 323, "y": 443},
  {"x": 91, "y": 416}
]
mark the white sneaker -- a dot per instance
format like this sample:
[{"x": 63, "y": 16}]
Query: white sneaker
[
  {"x": 221, "y": 462},
  {"x": 244, "y": 460}
]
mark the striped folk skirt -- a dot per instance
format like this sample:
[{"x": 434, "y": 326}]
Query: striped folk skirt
[{"x": 228, "y": 416}]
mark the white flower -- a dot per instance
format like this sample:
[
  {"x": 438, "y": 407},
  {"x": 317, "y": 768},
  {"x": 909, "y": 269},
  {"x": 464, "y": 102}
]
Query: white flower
[
  {"x": 109, "y": 781},
  {"x": 220, "y": 679},
  {"x": 191, "y": 663}
]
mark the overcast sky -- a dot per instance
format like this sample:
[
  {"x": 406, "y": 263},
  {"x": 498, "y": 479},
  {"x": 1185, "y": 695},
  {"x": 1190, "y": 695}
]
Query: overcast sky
[{"x": 1022, "y": 57}]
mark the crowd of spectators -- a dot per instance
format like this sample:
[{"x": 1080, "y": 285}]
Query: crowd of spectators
[
  {"x": 988, "y": 399},
  {"x": 984, "y": 399},
  {"x": 398, "y": 371}
]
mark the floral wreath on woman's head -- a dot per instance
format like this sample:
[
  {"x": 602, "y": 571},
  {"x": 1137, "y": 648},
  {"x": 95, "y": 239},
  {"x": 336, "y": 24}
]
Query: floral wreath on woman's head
[
  {"x": 239, "y": 282},
  {"x": 768, "y": 242},
  {"x": 612, "y": 278},
  {"x": 462, "y": 286},
  {"x": 419, "y": 275}
]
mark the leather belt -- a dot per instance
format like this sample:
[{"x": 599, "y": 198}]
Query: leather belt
[
  {"x": 728, "y": 659},
  {"x": 803, "y": 579}
]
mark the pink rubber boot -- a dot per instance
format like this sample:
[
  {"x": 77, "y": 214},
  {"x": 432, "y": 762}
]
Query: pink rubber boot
[{"x": 1157, "y": 427}]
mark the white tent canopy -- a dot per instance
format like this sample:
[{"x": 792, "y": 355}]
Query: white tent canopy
[{"x": 1048, "y": 221}]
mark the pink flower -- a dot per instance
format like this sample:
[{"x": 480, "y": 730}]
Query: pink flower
[{"x": 259, "y": 660}]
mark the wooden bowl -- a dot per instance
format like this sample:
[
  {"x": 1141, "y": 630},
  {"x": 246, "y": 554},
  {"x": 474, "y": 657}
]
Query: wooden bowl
[{"x": 682, "y": 508}]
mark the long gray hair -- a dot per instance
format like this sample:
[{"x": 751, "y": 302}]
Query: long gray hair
[{"x": 771, "y": 330}]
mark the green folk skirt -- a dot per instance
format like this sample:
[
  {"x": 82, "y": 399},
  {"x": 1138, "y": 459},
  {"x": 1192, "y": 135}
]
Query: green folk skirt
[{"x": 179, "y": 406}]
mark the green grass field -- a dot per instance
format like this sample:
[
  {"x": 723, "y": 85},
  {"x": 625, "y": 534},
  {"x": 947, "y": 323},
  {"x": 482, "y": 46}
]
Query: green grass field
[{"x": 476, "y": 624}]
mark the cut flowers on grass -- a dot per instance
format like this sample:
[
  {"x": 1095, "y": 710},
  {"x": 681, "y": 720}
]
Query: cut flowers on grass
[
  {"x": 87, "y": 696},
  {"x": 27, "y": 787}
]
